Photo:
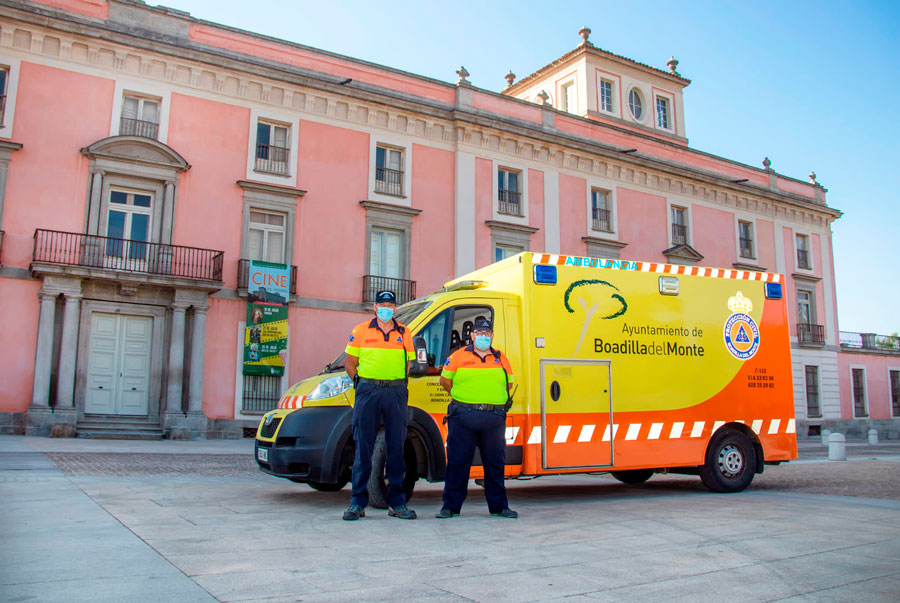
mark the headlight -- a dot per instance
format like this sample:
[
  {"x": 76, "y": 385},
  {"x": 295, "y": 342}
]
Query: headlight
[{"x": 330, "y": 387}]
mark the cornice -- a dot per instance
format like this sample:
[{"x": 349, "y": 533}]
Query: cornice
[
  {"x": 387, "y": 207},
  {"x": 320, "y": 96},
  {"x": 604, "y": 242},
  {"x": 511, "y": 227},
  {"x": 8, "y": 145},
  {"x": 272, "y": 189}
]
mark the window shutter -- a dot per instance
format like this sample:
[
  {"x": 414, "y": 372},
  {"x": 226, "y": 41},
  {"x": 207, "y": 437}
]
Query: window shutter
[
  {"x": 280, "y": 137},
  {"x": 375, "y": 245},
  {"x": 392, "y": 254},
  {"x": 130, "y": 108},
  {"x": 275, "y": 247},
  {"x": 255, "y": 244},
  {"x": 150, "y": 112}
]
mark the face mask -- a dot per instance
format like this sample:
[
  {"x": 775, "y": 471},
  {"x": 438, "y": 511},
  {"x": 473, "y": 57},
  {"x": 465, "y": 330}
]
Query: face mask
[
  {"x": 482, "y": 342},
  {"x": 385, "y": 314}
]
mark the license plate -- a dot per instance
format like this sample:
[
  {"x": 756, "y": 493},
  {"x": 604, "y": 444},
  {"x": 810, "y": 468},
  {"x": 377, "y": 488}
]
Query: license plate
[{"x": 262, "y": 454}]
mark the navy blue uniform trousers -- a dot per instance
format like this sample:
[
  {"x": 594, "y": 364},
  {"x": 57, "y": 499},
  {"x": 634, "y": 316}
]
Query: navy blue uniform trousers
[
  {"x": 466, "y": 429},
  {"x": 374, "y": 404}
]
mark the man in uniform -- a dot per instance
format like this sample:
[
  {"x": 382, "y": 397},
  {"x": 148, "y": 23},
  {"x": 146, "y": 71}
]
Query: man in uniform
[
  {"x": 478, "y": 379},
  {"x": 378, "y": 357}
]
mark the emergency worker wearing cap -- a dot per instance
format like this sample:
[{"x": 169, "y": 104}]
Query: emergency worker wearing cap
[
  {"x": 378, "y": 356},
  {"x": 478, "y": 379}
]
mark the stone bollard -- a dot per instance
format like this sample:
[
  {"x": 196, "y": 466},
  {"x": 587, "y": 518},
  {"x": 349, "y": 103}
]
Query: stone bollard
[
  {"x": 837, "y": 447},
  {"x": 873, "y": 437},
  {"x": 825, "y": 433}
]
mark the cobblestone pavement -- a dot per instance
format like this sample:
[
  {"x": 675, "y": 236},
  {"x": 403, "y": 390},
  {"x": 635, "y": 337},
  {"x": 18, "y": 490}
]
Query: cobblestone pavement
[{"x": 868, "y": 478}]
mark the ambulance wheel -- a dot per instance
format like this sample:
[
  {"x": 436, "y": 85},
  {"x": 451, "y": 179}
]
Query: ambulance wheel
[
  {"x": 378, "y": 487},
  {"x": 635, "y": 476},
  {"x": 730, "y": 462},
  {"x": 323, "y": 487}
]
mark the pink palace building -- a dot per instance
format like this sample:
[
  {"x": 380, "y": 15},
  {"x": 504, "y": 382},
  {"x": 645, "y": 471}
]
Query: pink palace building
[{"x": 147, "y": 156}]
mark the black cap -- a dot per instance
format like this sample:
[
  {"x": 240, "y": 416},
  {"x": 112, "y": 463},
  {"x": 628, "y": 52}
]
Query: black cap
[
  {"x": 385, "y": 297},
  {"x": 483, "y": 324}
]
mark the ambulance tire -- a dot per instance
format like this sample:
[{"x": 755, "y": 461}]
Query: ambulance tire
[
  {"x": 730, "y": 462},
  {"x": 378, "y": 487},
  {"x": 635, "y": 476}
]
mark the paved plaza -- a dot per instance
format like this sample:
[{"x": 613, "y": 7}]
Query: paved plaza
[{"x": 88, "y": 520}]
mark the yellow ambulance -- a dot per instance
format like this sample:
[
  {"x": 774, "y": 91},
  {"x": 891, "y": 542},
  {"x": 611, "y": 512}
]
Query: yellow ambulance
[{"x": 622, "y": 366}]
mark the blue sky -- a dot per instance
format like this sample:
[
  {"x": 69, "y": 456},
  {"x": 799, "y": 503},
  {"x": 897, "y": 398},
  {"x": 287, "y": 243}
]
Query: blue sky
[{"x": 811, "y": 85}]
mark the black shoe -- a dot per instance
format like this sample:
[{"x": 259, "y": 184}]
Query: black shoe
[
  {"x": 507, "y": 513},
  {"x": 445, "y": 513},
  {"x": 402, "y": 512},
  {"x": 354, "y": 512}
]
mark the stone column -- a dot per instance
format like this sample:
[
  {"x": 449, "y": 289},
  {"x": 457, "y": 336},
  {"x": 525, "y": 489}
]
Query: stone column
[
  {"x": 40, "y": 396},
  {"x": 198, "y": 341},
  {"x": 65, "y": 385},
  {"x": 165, "y": 233},
  {"x": 176, "y": 359},
  {"x": 96, "y": 191}
]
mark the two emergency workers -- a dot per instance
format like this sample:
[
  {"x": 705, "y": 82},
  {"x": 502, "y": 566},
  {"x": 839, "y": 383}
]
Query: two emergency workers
[{"x": 477, "y": 377}]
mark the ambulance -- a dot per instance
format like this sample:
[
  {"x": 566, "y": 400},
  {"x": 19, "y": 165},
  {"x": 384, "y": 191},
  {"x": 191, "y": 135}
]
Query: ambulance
[{"x": 626, "y": 367}]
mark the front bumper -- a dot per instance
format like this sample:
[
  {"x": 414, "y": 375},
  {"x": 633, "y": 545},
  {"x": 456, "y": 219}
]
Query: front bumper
[{"x": 308, "y": 445}]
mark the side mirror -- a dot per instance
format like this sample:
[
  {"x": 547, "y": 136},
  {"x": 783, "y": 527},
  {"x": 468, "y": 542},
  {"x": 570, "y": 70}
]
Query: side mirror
[{"x": 419, "y": 366}]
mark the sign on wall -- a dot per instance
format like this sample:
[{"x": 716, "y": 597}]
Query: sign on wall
[{"x": 265, "y": 337}]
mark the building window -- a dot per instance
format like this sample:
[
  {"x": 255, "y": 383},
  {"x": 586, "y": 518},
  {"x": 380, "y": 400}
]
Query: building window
[
  {"x": 600, "y": 212},
  {"x": 272, "y": 151},
  {"x": 386, "y": 253},
  {"x": 388, "y": 171},
  {"x": 636, "y": 104},
  {"x": 804, "y": 307},
  {"x": 662, "y": 112},
  {"x": 140, "y": 117},
  {"x": 501, "y": 252},
  {"x": 859, "y": 392},
  {"x": 567, "y": 97},
  {"x": 128, "y": 225},
  {"x": 803, "y": 260},
  {"x": 679, "y": 226},
  {"x": 260, "y": 393},
  {"x": 265, "y": 240},
  {"x": 745, "y": 234},
  {"x": 509, "y": 192},
  {"x": 812, "y": 392},
  {"x": 4, "y": 79},
  {"x": 895, "y": 392},
  {"x": 387, "y": 260},
  {"x": 606, "y": 96}
]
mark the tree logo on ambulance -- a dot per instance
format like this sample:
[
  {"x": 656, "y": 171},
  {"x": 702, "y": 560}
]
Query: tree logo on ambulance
[
  {"x": 741, "y": 333},
  {"x": 604, "y": 297}
]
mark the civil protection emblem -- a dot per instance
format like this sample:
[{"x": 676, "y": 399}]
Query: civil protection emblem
[{"x": 741, "y": 333}]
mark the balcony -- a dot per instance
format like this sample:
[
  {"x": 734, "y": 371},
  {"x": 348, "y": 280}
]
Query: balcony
[
  {"x": 803, "y": 259},
  {"x": 389, "y": 182},
  {"x": 137, "y": 127},
  {"x": 869, "y": 341},
  {"x": 510, "y": 203},
  {"x": 272, "y": 160},
  {"x": 405, "y": 290},
  {"x": 600, "y": 219},
  {"x": 810, "y": 334},
  {"x": 122, "y": 256},
  {"x": 679, "y": 234},
  {"x": 243, "y": 275}
]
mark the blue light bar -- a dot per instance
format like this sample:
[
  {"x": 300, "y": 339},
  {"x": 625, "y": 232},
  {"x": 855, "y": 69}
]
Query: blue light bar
[
  {"x": 544, "y": 274},
  {"x": 774, "y": 291}
]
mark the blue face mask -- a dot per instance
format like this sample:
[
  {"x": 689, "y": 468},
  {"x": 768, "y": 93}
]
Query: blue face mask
[
  {"x": 385, "y": 314},
  {"x": 482, "y": 342}
]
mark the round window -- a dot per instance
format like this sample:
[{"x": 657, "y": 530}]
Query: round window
[{"x": 636, "y": 104}]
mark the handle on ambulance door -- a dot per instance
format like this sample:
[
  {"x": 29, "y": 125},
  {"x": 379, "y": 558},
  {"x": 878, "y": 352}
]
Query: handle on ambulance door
[{"x": 554, "y": 391}]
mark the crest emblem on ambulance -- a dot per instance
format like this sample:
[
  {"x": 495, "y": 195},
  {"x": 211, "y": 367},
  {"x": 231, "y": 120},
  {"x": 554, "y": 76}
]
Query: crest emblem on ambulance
[{"x": 741, "y": 333}]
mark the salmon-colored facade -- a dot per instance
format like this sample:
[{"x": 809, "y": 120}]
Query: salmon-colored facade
[{"x": 210, "y": 146}]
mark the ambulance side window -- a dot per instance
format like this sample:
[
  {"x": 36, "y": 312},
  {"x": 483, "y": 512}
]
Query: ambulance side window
[
  {"x": 463, "y": 320},
  {"x": 449, "y": 331}
]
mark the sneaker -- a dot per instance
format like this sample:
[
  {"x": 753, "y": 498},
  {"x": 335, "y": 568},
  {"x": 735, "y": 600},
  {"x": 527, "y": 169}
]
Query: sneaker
[
  {"x": 507, "y": 513},
  {"x": 402, "y": 512},
  {"x": 354, "y": 512},
  {"x": 445, "y": 513}
]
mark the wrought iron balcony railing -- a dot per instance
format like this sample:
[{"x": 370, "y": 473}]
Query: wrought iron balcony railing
[
  {"x": 123, "y": 255},
  {"x": 137, "y": 127},
  {"x": 869, "y": 341},
  {"x": 243, "y": 276},
  {"x": 814, "y": 334},
  {"x": 389, "y": 181},
  {"x": 510, "y": 202},
  {"x": 405, "y": 290},
  {"x": 601, "y": 219},
  {"x": 679, "y": 234},
  {"x": 272, "y": 159}
]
